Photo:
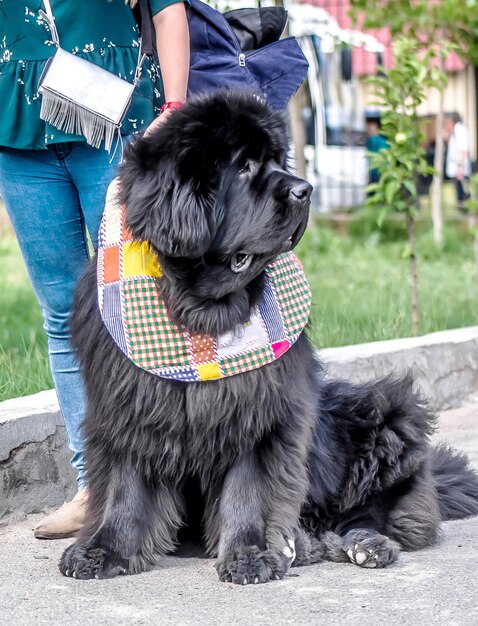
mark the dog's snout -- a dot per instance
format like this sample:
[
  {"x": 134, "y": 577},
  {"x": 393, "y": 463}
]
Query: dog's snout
[{"x": 300, "y": 191}]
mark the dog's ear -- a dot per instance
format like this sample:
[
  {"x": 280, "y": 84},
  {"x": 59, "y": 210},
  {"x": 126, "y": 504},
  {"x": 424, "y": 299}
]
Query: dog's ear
[{"x": 170, "y": 209}]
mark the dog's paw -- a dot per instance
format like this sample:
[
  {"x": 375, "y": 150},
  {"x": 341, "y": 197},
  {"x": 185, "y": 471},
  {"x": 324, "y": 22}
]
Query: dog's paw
[
  {"x": 84, "y": 561},
  {"x": 368, "y": 549},
  {"x": 249, "y": 565}
]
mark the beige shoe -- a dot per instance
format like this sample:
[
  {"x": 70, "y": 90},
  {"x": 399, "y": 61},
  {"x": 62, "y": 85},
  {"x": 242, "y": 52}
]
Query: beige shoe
[{"x": 66, "y": 521}]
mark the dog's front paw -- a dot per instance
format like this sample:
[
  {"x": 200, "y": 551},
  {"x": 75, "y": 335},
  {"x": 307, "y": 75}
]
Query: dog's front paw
[
  {"x": 249, "y": 565},
  {"x": 369, "y": 549},
  {"x": 84, "y": 561}
]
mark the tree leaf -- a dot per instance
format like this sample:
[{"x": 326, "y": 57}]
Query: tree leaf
[
  {"x": 411, "y": 187},
  {"x": 381, "y": 216},
  {"x": 391, "y": 189}
]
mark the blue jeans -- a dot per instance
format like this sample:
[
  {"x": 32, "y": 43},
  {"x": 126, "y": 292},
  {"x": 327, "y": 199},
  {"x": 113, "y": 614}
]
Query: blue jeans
[{"x": 52, "y": 196}]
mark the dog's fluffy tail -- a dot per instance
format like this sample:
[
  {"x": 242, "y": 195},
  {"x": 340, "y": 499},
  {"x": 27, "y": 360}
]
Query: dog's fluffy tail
[{"x": 456, "y": 483}]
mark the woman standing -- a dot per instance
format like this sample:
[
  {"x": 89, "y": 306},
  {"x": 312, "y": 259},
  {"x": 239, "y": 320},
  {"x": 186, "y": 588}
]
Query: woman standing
[
  {"x": 458, "y": 162},
  {"x": 54, "y": 185}
]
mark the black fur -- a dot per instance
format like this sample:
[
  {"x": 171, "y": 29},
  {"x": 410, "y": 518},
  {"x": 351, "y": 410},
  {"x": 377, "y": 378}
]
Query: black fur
[
  {"x": 455, "y": 483},
  {"x": 263, "y": 458}
]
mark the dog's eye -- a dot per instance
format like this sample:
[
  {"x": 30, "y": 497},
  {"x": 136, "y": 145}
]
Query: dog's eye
[
  {"x": 246, "y": 167},
  {"x": 240, "y": 262}
]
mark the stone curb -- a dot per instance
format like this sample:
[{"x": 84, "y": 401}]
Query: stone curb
[
  {"x": 35, "y": 470},
  {"x": 39, "y": 413},
  {"x": 34, "y": 459},
  {"x": 445, "y": 364}
]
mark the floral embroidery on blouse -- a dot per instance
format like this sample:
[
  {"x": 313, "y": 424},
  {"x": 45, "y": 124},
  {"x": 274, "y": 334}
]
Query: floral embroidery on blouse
[{"x": 102, "y": 32}]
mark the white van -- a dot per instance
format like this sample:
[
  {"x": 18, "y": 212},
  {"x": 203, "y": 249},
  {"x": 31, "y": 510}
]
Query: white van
[{"x": 334, "y": 116}]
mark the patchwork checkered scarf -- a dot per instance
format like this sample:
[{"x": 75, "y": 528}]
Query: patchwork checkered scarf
[{"x": 136, "y": 316}]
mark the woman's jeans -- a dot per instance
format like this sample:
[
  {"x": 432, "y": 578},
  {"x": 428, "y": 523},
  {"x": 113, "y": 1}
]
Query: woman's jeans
[{"x": 52, "y": 196}]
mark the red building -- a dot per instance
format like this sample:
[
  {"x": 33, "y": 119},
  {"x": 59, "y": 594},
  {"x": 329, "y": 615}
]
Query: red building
[{"x": 364, "y": 62}]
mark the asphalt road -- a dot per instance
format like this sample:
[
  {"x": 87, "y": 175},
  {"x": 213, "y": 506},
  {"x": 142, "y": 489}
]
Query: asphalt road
[{"x": 435, "y": 586}]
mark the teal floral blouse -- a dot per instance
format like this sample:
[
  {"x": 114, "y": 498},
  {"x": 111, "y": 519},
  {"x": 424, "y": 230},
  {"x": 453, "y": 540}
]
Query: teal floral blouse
[{"x": 102, "y": 31}]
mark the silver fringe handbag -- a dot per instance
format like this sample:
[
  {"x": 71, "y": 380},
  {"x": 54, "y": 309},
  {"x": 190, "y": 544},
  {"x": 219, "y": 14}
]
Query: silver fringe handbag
[{"x": 81, "y": 98}]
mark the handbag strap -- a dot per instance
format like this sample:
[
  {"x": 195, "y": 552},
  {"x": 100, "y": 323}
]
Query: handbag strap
[
  {"x": 147, "y": 28},
  {"x": 146, "y": 48},
  {"x": 51, "y": 22}
]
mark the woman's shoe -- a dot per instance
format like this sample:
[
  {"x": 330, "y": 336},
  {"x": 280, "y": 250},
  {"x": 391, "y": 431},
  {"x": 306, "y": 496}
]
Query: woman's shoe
[{"x": 66, "y": 521}]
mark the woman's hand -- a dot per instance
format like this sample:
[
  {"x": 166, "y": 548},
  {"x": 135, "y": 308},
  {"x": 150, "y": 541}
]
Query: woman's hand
[{"x": 156, "y": 123}]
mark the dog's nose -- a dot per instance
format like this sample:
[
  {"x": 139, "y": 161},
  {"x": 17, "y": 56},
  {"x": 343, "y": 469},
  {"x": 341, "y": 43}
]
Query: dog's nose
[{"x": 300, "y": 191}]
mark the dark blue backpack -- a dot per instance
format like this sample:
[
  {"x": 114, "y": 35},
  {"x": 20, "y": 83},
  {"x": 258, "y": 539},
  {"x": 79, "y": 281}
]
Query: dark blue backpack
[{"x": 241, "y": 49}]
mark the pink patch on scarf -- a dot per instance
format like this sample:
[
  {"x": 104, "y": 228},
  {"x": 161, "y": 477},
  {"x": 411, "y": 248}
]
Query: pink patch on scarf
[{"x": 280, "y": 347}]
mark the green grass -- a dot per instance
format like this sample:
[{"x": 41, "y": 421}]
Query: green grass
[
  {"x": 23, "y": 350},
  {"x": 359, "y": 282}
]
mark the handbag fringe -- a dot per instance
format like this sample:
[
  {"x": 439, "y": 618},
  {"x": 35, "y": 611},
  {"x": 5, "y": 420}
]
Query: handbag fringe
[{"x": 76, "y": 120}]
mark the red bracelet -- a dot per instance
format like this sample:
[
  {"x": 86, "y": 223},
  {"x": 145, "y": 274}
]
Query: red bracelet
[{"x": 177, "y": 104}]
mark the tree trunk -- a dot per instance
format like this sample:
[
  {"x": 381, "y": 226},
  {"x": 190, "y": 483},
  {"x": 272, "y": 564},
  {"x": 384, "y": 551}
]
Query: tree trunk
[
  {"x": 296, "y": 123},
  {"x": 298, "y": 133},
  {"x": 413, "y": 274},
  {"x": 437, "y": 216},
  {"x": 475, "y": 250},
  {"x": 473, "y": 228}
]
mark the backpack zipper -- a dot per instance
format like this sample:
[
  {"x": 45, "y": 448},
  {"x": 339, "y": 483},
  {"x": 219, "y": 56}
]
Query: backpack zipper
[{"x": 242, "y": 60}]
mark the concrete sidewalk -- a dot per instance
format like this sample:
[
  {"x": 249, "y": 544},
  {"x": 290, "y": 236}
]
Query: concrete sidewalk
[{"x": 434, "y": 586}]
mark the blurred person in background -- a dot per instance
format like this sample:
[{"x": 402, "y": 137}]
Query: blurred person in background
[
  {"x": 54, "y": 185},
  {"x": 458, "y": 163},
  {"x": 375, "y": 142}
]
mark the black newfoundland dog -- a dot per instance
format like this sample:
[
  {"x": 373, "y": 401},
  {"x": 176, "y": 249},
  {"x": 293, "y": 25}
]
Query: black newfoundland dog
[{"x": 276, "y": 466}]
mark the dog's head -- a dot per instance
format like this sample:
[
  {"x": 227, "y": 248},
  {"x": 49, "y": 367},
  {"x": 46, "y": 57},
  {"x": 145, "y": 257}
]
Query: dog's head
[{"x": 210, "y": 190}]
